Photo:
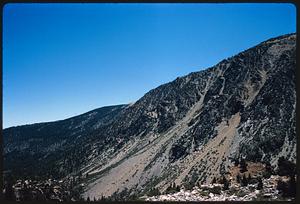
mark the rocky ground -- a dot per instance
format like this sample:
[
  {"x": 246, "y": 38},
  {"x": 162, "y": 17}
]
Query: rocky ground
[
  {"x": 236, "y": 192},
  {"x": 43, "y": 190}
]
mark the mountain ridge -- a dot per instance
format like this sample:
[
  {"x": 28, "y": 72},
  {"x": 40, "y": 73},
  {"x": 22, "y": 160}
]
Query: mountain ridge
[
  {"x": 131, "y": 103},
  {"x": 190, "y": 129}
]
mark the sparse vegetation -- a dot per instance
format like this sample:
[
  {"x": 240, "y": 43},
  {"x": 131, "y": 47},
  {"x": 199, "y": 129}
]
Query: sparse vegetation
[{"x": 243, "y": 166}]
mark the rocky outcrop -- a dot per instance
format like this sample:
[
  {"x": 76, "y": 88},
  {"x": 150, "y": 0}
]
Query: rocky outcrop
[{"x": 236, "y": 192}]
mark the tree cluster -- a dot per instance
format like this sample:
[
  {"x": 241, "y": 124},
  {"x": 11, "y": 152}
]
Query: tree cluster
[{"x": 173, "y": 188}]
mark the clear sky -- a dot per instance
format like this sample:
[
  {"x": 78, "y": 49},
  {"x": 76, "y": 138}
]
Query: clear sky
[{"x": 60, "y": 60}]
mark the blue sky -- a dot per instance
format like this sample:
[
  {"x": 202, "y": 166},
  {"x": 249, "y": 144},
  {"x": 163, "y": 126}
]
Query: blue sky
[{"x": 60, "y": 60}]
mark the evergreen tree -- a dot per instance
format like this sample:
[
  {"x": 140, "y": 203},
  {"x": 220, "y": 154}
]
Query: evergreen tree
[
  {"x": 282, "y": 187},
  {"x": 154, "y": 192},
  {"x": 291, "y": 190},
  {"x": 249, "y": 178},
  {"x": 174, "y": 185},
  {"x": 9, "y": 192},
  {"x": 214, "y": 180},
  {"x": 244, "y": 181},
  {"x": 26, "y": 193},
  {"x": 238, "y": 178},
  {"x": 286, "y": 167},
  {"x": 225, "y": 183},
  {"x": 260, "y": 184},
  {"x": 269, "y": 168},
  {"x": 243, "y": 166},
  {"x": 102, "y": 198},
  {"x": 168, "y": 190},
  {"x": 236, "y": 162}
]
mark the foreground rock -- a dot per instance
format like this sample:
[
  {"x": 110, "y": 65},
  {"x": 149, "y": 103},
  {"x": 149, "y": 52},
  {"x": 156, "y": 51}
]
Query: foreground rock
[{"x": 235, "y": 193}]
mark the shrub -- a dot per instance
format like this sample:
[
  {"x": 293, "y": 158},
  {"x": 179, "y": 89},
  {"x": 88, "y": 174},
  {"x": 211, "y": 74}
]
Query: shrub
[
  {"x": 204, "y": 193},
  {"x": 232, "y": 190},
  {"x": 153, "y": 192},
  {"x": 286, "y": 167},
  {"x": 215, "y": 190},
  {"x": 241, "y": 193},
  {"x": 266, "y": 174}
]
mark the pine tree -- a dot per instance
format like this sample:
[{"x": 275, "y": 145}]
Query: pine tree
[
  {"x": 26, "y": 193},
  {"x": 260, "y": 184},
  {"x": 214, "y": 180},
  {"x": 243, "y": 166},
  {"x": 174, "y": 185},
  {"x": 282, "y": 187},
  {"x": 102, "y": 198},
  {"x": 225, "y": 183},
  {"x": 249, "y": 178},
  {"x": 269, "y": 168},
  {"x": 236, "y": 162},
  {"x": 238, "y": 178},
  {"x": 286, "y": 167},
  {"x": 9, "y": 192},
  {"x": 291, "y": 190},
  {"x": 168, "y": 189},
  {"x": 153, "y": 192},
  {"x": 244, "y": 180}
]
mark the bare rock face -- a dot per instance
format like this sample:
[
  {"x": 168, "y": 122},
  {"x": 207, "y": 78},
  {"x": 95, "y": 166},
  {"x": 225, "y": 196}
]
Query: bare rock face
[{"x": 186, "y": 131}]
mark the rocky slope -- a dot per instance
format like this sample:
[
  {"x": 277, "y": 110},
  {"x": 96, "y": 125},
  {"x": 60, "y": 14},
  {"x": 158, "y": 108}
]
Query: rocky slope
[
  {"x": 236, "y": 192},
  {"x": 186, "y": 131},
  {"x": 40, "y": 149}
]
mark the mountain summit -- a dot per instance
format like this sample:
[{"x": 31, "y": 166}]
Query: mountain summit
[{"x": 185, "y": 132}]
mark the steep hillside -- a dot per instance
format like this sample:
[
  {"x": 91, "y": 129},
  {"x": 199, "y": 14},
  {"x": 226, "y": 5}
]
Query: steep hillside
[
  {"x": 39, "y": 149},
  {"x": 186, "y": 131}
]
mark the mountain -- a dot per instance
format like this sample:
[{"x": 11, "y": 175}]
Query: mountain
[
  {"x": 186, "y": 131},
  {"x": 30, "y": 150}
]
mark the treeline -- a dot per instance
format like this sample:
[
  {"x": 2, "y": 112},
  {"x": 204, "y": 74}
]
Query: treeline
[{"x": 45, "y": 190}]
